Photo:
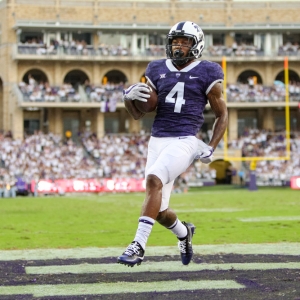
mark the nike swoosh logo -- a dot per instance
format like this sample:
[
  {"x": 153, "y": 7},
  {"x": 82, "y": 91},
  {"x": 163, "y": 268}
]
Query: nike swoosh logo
[{"x": 192, "y": 77}]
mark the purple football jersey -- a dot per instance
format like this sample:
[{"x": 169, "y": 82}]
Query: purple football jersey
[{"x": 182, "y": 95}]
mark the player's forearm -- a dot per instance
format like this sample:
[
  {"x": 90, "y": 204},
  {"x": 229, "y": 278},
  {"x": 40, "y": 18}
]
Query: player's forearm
[
  {"x": 219, "y": 129},
  {"x": 132, "y": 110},
  {"x": 219, "y": 107}
]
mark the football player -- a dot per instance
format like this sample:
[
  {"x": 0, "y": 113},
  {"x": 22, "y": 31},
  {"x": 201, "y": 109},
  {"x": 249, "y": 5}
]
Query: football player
[{"x": 184, "y": 85}]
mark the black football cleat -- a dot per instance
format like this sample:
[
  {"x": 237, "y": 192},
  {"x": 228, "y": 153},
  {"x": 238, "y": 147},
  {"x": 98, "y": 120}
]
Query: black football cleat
[
  {"x": 185, "y": 244},
  {"x": 133, "y": 255}
]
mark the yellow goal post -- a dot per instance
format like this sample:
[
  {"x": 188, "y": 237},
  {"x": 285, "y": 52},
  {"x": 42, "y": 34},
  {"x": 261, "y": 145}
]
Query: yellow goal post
[{"x": 287, "y": 121}]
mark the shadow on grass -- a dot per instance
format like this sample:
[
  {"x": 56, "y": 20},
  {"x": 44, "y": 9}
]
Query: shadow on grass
[{"x": 229, "y": 187}]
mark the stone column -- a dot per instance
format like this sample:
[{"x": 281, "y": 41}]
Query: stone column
[
  {"x": 260, "y": 117},
  {"x": 142, "y": 50},
  {"x": 96, "y": 74},
  {"x": 17, "y": 123},
  {"x": 134, "y": 126},
  {"x": 229, "y": 39},
  {"x": 12, "y": 115},
  {"x": 233, "y": 124},
  {"x": 268, "y": 44},
  {"x": 135, "y": 73},
  {"x": 97, "y": 125},
  {"x": 269, "y": 74},
  {"x": 123, "y": 115},
  {"x": 57, "y": 80},
  {"x": 134, "y": 44},
  {"x": 56, "y": 121},
  {"x": 2, "y": 106},
  {"x": 257, "y": 40},
  {"x": 268, "y": 119}
]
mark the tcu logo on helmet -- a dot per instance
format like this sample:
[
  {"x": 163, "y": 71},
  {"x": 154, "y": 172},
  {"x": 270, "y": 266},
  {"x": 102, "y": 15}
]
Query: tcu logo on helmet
[{"x": 197, "y": 28}]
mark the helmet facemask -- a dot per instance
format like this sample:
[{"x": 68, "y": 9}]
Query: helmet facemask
[{"x": 178, "y": 56}]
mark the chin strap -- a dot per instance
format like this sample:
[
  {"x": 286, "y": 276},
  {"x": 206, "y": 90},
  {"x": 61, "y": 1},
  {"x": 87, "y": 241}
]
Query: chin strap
[{"x": 180, "y": 61}]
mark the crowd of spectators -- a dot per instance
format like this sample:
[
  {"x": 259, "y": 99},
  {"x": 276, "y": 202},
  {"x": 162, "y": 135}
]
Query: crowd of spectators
[
  {"x": 108, "y": 95},
  {"x": 248, "y": 49},
  {"x": 241, "y": 49},
  {"x": 81, "y": 47},
  {"x": 129, "y": 155},
  {"x": 48, "y": 156},
  {"x": 266, "y": 143},
  {"x": 289, "y": 49},
  {"x": 44, "y": 156},
  {"x": 118, "y": 156},
  {"x": 245, "y": 92},
  {"x": 34, "y": 91}
]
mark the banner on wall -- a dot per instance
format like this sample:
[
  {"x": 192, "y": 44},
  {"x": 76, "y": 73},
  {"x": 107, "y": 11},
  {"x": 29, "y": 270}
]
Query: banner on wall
[
  {"x": 88, "y": 186},
  {"x": 295, "y": 182}
]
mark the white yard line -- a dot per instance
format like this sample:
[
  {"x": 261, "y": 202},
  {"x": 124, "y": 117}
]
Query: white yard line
[
  {"x": 167, "y": 266},
  {"x": 79, "y": 253},
  {"x": 270, "y": 219},
  {"x": 118, "y": 287},
  {"x": 225, "y": 209}
]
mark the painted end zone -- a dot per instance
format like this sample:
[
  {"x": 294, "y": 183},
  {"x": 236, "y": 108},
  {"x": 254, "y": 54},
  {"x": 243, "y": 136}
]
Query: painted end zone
[
  {"x": 117, "y": 288},
  {"x": 40, "y": 254},
  {"x": 250, "y": 271}
]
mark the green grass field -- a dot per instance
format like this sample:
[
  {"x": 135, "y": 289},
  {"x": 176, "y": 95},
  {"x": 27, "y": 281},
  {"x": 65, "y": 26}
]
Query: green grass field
[{"x": 221, "y": 215}]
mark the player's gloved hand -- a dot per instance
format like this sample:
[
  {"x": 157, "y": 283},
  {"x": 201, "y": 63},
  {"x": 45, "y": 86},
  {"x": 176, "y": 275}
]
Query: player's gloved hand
[
  {"x": 204, "y": 153},
  {"x": 138, "y": 91}
]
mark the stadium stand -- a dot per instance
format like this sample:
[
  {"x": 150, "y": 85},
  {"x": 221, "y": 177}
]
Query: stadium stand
[
  {"x": 64, "y": 75},
  {"x": 81, "y": 48},
  {"x": 49, "y": 157},
  {"x": 236, "y": 92}
]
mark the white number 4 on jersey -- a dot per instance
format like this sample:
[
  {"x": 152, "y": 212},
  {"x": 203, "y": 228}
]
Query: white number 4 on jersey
[{"x": 179, "y": 101}]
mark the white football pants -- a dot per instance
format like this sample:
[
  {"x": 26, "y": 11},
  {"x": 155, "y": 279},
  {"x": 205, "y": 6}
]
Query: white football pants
[{"x": 167, "y": 159}]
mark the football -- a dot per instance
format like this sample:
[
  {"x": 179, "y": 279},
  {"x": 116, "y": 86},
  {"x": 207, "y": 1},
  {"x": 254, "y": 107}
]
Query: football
[{"x": 150, "y": 105}]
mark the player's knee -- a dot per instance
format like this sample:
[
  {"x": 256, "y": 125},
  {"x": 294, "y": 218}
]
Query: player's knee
[
  {"x": 162, "y": 217},
  {"x": 153, "y": 182}
]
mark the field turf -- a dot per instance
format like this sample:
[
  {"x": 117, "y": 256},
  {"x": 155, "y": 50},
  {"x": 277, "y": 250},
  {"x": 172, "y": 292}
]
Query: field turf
[{"x": 222, "y": 215}]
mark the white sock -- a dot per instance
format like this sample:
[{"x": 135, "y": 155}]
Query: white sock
[
  {"x": 144, "y": 230},
  {"x": 178, "y": 229}
]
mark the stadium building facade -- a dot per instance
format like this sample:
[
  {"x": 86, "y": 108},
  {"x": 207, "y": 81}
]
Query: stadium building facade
[{"x": 93, "y": 44}]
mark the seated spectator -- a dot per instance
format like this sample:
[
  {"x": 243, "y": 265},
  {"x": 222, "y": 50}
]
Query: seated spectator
[{"x": 270, "y": 144}]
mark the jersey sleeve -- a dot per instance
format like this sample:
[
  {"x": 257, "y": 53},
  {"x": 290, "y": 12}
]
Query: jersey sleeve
[
  {"x": 151, "y": 73},
  {"x": 214, "y": 74}
]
